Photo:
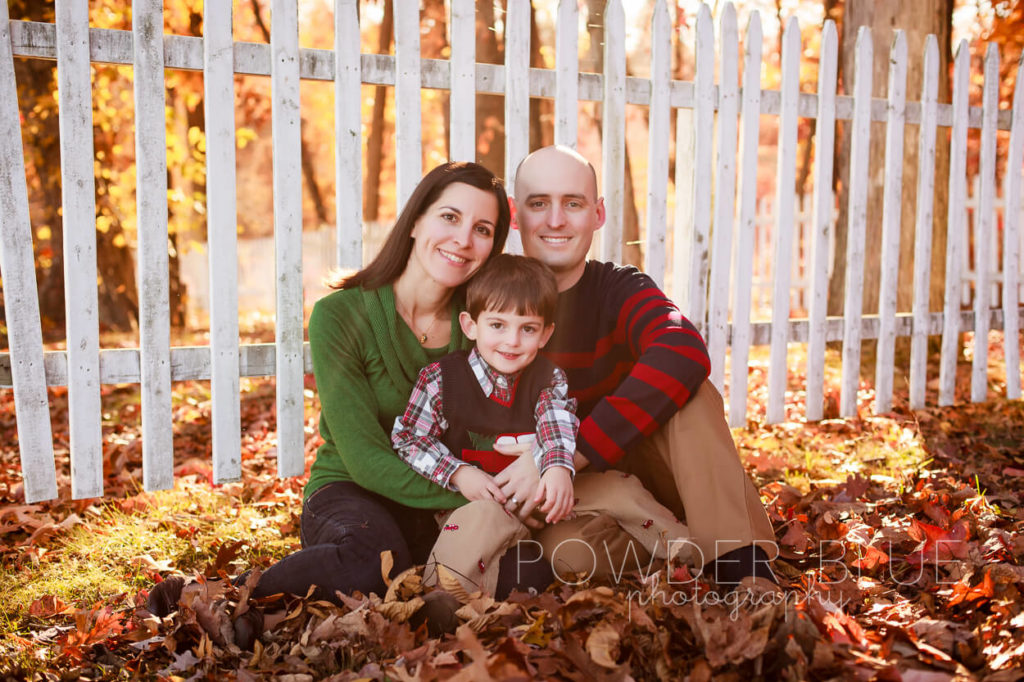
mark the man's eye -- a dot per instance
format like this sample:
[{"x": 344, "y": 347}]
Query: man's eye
[
  {"x": 574, "y": 204},
  {"x": 537, "y": 204}
]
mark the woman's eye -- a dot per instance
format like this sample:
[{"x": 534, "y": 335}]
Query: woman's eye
[
  {"x": 450, "y": 217},
  {"x": 484, "y": 230}
]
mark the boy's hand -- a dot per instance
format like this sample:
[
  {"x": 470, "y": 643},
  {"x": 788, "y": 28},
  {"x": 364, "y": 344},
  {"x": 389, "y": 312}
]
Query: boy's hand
[
  {"x": 555, "y": 489},
  {"x": 475, "y": 484}
]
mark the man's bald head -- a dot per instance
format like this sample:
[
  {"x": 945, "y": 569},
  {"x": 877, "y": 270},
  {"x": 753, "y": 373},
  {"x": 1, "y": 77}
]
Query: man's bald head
[{"x": 544, "y": 155}]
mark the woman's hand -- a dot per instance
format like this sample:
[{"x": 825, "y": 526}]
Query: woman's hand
[
  {"x": 555, "y": 490},
  {"x": 519, "y": 479},
  {"x": 475, "y": 484}
]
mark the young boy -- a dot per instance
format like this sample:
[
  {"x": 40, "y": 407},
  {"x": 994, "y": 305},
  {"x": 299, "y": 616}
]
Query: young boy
[{"x": 502, "y": 392}]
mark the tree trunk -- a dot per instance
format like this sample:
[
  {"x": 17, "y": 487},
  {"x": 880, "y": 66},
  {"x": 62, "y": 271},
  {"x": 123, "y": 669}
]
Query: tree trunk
[
  {"x": 917, "y": 19},
  {"x": 375, "y": 141}
]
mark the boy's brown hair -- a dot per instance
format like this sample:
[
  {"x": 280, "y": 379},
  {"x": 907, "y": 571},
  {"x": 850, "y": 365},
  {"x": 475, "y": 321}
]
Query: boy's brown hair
[{"x": 509, "y": 283}]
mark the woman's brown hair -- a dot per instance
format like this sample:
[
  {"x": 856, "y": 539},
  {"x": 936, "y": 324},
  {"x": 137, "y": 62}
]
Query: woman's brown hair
[{"x": 394, "y": 254}]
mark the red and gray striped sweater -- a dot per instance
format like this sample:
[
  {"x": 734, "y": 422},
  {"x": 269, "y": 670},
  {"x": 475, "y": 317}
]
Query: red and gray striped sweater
[{"x": 631, "y": 357}]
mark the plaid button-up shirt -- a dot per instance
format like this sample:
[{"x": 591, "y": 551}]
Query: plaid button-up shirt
[{"x": 417, "y": 433}]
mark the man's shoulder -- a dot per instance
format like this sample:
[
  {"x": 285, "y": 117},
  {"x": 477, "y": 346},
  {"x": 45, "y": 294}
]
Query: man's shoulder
[{"x": 605, "y": 274}]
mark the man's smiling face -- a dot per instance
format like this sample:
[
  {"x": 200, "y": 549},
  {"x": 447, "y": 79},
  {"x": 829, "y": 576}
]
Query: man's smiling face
[{"x": 558, "y": 211}]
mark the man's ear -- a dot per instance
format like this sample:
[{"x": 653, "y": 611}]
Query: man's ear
[
  {"x": 601, "y": 214},
  {"x": 468, "y": 325},
  {"x": 546, "y": 334}
]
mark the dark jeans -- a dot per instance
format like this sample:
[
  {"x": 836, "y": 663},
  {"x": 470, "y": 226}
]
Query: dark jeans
[{"x": 344, "y": 530}]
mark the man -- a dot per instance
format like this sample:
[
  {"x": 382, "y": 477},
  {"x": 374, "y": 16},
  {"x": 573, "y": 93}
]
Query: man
[{"x": 639, "y": 371}]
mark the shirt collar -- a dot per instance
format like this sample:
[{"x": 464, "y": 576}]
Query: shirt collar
[{"x": 488, "y": 377}]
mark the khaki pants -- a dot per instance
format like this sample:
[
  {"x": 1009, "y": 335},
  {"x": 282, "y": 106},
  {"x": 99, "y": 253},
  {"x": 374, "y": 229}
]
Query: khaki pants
[
  {"x": 691, "y": 467},
  {"x": 619, "y": 527}
]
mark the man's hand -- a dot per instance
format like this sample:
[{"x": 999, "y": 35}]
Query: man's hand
[
  {"x": 555, "y": 490},
  {"x": 519, "y": 479},
  {"x": 579, "y": 461},
  {"x": 475, "y": 484}
]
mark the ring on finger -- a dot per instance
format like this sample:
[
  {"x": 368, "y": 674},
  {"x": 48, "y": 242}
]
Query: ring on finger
[{"x": 514, "y": 501}]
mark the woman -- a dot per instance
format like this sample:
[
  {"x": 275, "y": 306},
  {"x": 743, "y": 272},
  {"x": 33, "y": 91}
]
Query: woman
[{"x": 369, "y": 340}]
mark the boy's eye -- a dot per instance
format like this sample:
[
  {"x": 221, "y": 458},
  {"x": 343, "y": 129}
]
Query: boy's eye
[
  {"x": 529, "y": 329},
  {"x": 496, "y": 325}
]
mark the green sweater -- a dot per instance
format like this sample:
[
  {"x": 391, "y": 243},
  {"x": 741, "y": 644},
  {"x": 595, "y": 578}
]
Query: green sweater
[{"x": 366, "y": 360}]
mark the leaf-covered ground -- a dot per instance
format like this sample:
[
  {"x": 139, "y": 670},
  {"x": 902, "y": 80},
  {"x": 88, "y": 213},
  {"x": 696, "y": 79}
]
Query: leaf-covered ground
[{"x": 902, "y": 558}]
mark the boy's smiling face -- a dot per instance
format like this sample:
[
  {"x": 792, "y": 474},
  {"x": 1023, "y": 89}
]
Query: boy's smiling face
[{"x": 508, "y": 342}]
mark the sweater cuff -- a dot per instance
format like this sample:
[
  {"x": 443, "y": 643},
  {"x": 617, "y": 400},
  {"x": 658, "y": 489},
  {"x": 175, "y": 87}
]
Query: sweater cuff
[{"x": 596, "y": 460}]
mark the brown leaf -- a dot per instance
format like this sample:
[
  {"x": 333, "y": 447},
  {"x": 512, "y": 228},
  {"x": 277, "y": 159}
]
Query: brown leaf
[{"x": 603, "y": 645}]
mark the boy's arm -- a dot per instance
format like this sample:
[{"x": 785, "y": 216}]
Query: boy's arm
[
  {"x": 417, "y": 433},
  {"x": 556, "y": 425}
]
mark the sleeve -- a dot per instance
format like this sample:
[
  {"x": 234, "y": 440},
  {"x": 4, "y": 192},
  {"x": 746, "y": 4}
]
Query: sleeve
[
  {"x": 417, "y": 433},
  {"x": 670, "y": 363},
  {"x": 556, "y": 425},
  {"x": 352, "y": 419}
]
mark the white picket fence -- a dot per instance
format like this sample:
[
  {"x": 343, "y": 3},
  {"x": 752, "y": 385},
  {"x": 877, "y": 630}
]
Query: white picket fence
[{"x": 711, "y": 268}]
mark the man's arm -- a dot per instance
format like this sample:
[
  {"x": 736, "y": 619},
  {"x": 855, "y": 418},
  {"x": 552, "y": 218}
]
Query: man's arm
[{"x": 670, "y": 364}]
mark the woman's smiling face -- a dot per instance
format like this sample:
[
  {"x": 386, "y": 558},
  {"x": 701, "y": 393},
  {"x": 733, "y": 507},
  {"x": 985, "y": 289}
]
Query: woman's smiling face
[{"x": 454, "y": 236}]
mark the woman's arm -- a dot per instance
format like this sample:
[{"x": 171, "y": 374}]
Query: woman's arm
[{"x": 351, "y": 415}]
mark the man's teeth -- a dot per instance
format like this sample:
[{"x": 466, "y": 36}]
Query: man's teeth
[
  {"x": 555, "y": 240},
  {"x": 452, "y": 257}
]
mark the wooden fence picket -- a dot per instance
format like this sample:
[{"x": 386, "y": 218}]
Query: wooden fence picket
[
  {"x": 984, "y": 231},
  {"x": 956, "y": 228},
  {"x": 288, "y": 327},
  {"x": 517, "y": 98},
  {"x": 408, "y": 109},
  {"x": 222, "y": 237},
  {"x": 750, "y": 126},
  {"x": 21, "y": 302},
  {"x": 462, "y": 102},
  {"x": 923, "y": 225},
  {"x": 613, "y": 130},
  {"x": 151, "y": 203},
  {"x": 860, "y": 141},
  {"x": 695, "y": 240},
  {"x": 657, "y": 134},
  {"x": 821, "y": 228},
  {"x": 348, "y": 135},
  {"x": 1012, "y": 231},
  {"x": 725, "y": 195},
  {"x": 78, "y": 209},
  {"x": 892, "y": 205},
  {"x": 782, "y": 235},
  {"x": 567, "y": 72}
]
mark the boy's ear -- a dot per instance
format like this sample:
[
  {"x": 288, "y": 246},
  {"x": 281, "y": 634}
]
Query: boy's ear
[
  {"x": 546, "y": 334},
  {"x": 468, "y": 325}
]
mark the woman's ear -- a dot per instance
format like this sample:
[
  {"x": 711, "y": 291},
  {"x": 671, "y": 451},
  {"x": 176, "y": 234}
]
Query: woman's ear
[{"x": 468, "y": 325}]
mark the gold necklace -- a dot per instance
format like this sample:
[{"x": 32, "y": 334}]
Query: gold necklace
[{"x": 422, "y": 338}]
